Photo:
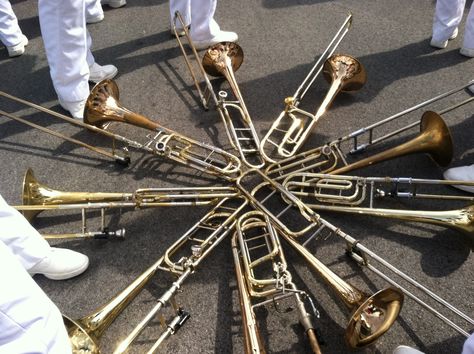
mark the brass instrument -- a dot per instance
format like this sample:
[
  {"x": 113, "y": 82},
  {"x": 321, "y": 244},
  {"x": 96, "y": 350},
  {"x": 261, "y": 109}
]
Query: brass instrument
[
  {"x": 103, "y": 107},
  {"x": 361, "y": 254},
  {"x": 293, "y": 126},
  {"x": 38, "y": 197},
  {"x": 201, "y": 239},
  {"x": 346, "y": 193},
  {"x": 372, "y": 316},
  {"x": 262, "y": 276},
  {"x": 223, "y": 59},
  {"x": 434, "y": 138}
]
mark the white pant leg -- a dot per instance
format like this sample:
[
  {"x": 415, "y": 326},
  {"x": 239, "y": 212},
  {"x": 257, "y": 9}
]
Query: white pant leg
[
  {"x": 63, "y": 26},
  {"x": 184, "y": 8},
  {"x": 29, "y": 321},
  {"x": 20, "y": 237},
  {"x": 93, "y": 8},
  {"x": 468, "y": 42},
  {"x": 203, "y": 25},
  {"x": 10, "y": 32},
  {"x": 448, "y": 15}
]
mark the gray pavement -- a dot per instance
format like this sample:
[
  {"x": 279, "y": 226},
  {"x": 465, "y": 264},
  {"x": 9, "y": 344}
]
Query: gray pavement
[{"x": 280, "y": 39}]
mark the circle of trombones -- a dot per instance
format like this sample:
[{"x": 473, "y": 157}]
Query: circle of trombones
[{"x": 288, "y": 177}]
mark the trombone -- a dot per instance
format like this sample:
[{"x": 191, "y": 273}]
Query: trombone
[
  {"x": 200, "y": 240},
  {"x": 206, "y": 234},
  {"x": 262, "y": 276},
  {"x": 102, "y": 107},
  {"x": 293, "y": 126},
  {"x": 223, "y": 59},
  {"x": 434, "y": 138},
  {"x": 361, "y": 255},
  {"x": 346, "y": 193},
  {"x": 38, "y": 197}
]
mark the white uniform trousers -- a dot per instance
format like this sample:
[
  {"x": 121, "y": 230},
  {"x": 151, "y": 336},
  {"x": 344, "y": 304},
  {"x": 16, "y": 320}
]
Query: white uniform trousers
[
  {"x": 448, "y": 16},
  {"x": 94, "y": 8},
  {"x": 67, "y": 43},
  {"x": 198, "y": 13},
  {"x": 29, "y": 321},
  {"x": 20, "y": 237},
  {"x": 10, "y": 32}
]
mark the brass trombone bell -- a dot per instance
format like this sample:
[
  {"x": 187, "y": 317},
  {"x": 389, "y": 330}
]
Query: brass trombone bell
[
  {"x": 215, "y": 58},
  {"x": 349, "y": 68},
  {"x": 434, "y": 139}
]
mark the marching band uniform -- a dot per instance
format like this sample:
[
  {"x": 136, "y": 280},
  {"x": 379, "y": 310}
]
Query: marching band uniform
[
  {"x": 29, "y": 320},
  {"x": 94, "y": 11},
  {"x": 68, "y": 49},
  {"x": 10, "y": 32},
  {"x": 200, "y": 15},
  {"x": 448, "y": 16}
]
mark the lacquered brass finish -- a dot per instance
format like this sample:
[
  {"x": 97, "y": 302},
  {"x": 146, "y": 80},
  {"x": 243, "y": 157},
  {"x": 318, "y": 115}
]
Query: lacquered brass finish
[
  {"x": 198, "y": 241},
  {"x": 335, "y": 155},
  {"x": 223, "y": 59},
  {"x": 38, "y": 197},
  {"x": 434, "y": 139},
  {"x": 85, "y": 333},
  {"x": 103, "y": 107},
  {"x": 263, "y": 277},
  {"x": 291, "y": 129},
  {"x": 346, "y": 194},
  {"x": 372, "y": 315}
]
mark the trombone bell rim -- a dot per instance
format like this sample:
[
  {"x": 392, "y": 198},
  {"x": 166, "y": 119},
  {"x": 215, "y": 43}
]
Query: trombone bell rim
[{"x": 390, "y": 300}]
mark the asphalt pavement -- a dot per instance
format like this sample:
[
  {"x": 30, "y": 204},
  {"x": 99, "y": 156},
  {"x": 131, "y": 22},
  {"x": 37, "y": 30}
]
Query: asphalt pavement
[{"x": 281, "y": 40}]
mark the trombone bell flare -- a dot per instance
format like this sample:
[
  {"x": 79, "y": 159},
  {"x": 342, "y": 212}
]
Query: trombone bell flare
[{"x": 374, "y": 317}]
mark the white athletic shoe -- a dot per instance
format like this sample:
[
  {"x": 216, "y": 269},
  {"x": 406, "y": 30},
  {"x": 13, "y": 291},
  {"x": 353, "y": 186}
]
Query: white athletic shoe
[
  {"x": 463, "y": 173},
  {"x": 114, "y": 3},
  {"x": 76, "y": 109},
  {"x": 467, "y": 52},
  {"x": 95, "y": 19},
  {"x": 404, "y": 349},
  {"x": 223, "y": 36},
  {"x": 99, "y": 72},
  {"x": 443, "y": 44},
  {"x": 18, "y": 49},
  {"x": 61, "y": 264}
]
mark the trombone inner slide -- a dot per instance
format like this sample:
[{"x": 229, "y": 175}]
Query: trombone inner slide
[{"x": 263, "y": 277}]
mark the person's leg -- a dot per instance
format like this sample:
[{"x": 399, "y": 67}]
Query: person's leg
[
  {"x": 205, "y": 31},
  {"x": 94, "y": 12},
  {"x": 10, "y": 32},
  {"x": 468, "y": 42},
  {"x": 63, "y": 27},
  {"x": 184, "y": 8},
  {"x": 32, "y": 250},
  {"x": 447, "y": 17},
  {"x": 29, "y": 320},
  {"x": 203, "y": 25},
  {"x": 462, "y": 173}
]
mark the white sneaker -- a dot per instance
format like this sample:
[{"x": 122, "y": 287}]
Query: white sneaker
[
  {"x": 19, "y": 49},
  {"x": 223, "y": 36},
  {"x": 114, "y": 3},
  {"x": 61, "y": 264},
  {"x": 444, "y": 44},
  {"x": 76, "y": 109},
  {"x": 471, "y": 88},
  {"x": 95, "y": 19},
  {"x": 404, "y": 349},
  {"x": 467, "y": 52},
  {"x": 99, "y": 72},
  {"x": 463, "y": 173}
]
